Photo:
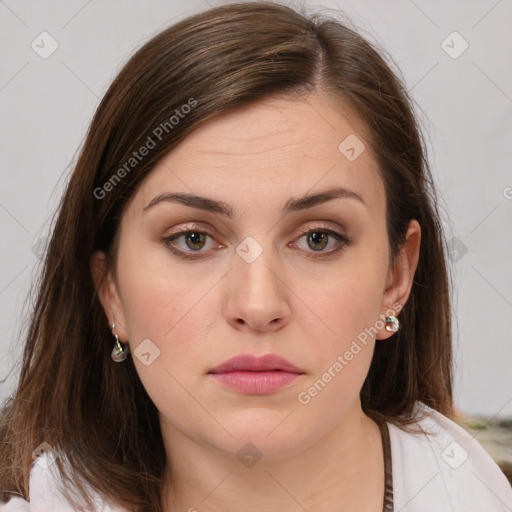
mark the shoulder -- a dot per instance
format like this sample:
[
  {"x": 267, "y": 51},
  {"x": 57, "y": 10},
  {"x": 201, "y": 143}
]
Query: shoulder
[
  {"x": 443, "y": 468},
  {"x": 45, "y": 492}
]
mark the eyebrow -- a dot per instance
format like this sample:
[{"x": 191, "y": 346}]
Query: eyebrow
[{"x": 292, "y": 205}]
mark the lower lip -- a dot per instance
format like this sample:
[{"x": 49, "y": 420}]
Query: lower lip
[{"x": 256, "y": 383}]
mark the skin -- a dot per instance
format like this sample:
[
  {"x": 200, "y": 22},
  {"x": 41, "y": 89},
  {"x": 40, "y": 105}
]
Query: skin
[{"x": 201, "y": 312}]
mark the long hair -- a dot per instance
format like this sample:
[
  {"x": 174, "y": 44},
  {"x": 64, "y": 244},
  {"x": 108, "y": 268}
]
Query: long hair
[{"x": 95, "y": 412}]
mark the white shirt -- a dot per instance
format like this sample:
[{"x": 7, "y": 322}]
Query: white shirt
[{"x": 445, "y": 472}]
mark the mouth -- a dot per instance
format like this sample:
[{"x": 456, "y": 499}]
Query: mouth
[{"x": 256, "y": 375}]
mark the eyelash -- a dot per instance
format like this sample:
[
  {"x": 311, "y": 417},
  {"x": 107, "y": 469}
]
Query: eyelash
[{"x": 342, "y": 240}]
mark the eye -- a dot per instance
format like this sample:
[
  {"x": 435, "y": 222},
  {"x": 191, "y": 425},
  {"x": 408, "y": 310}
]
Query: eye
[
  {"x": 318, "y": 239},
  {"x": 195, "y": 241}
]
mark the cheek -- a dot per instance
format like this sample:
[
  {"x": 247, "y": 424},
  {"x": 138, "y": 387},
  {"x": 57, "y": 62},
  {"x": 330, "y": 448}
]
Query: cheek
[
  {"x": 172, "y": 311},
  {"x": 156, "y": 298},
  {"x": 343, "y": 353},
  {"x": 348, "y": 305},
  {"x": 348, "y": 299},
  {"x": 175, "y": 312}
]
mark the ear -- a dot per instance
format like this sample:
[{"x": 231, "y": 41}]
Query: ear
[
  {"x": 400, "y": 277},
  {"x": 108, "y": 293}
]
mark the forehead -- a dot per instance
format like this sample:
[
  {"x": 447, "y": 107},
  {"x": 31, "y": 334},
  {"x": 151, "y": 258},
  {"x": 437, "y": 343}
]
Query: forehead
[{"x": 268, "y": 152}]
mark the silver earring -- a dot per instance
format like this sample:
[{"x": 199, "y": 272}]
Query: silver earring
[
  {"x": 118, "y": 352},
  {"x": 392, "y": 324}
]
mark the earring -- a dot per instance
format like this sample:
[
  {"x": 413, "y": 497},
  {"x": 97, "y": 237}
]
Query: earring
[
  {"x": 392, "y": 324},
  {"x": 118, "y": 352}
]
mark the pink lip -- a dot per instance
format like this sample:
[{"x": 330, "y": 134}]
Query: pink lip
[{"x": 256, "y": 375}]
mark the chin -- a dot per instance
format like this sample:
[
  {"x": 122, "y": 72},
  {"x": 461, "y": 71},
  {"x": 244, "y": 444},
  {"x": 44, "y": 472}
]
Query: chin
[{"x": 266, "y": 436}]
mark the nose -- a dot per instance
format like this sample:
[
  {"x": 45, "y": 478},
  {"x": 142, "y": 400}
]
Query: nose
[{"x": 257, "y": 295}]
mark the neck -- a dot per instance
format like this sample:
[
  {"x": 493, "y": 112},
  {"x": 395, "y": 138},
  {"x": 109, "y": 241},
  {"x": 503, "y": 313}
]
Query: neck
[{"x": 345, "y": 466}]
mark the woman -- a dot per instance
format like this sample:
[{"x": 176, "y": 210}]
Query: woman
[{"x": 245, "y": 301}]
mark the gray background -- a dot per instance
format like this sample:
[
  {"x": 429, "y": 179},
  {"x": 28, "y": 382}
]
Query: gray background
[{"x": 464, "y": 103}]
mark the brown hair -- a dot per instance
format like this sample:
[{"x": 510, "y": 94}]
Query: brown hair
[{"x": 97, "y": 413}]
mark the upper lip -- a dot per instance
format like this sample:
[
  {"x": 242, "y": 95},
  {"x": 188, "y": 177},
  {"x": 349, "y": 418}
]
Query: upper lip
[{"x": 248, "y": 362}]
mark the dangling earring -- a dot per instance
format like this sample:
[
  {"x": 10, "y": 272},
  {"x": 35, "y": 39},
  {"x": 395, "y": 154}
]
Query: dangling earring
[
  {"x": 392, "y": 324},
  {"x": 118, "y": 352}
]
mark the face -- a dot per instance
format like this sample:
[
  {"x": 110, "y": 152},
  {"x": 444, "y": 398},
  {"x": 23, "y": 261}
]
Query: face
[{"x": 307, "y": 281}]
